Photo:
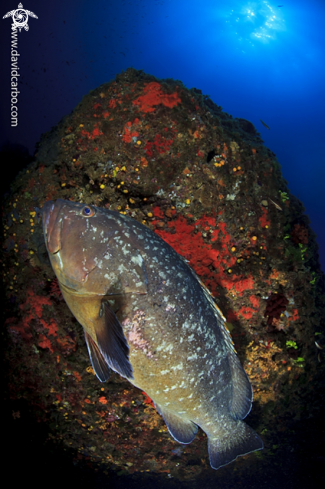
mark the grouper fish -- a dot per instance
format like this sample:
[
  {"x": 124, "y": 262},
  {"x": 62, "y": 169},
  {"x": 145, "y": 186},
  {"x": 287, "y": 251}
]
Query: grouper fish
[{"x": 147, "y": 316}]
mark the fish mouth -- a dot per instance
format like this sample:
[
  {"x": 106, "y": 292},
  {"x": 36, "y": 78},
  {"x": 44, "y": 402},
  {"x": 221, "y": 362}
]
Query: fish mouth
[
  {"x": 53, "y": 218},
  {"x": 51, "y": 225},
  {"x": 72, "y": 280},
  {"x": 75, "y": 290},
  {"x": 46, "y": 214}
]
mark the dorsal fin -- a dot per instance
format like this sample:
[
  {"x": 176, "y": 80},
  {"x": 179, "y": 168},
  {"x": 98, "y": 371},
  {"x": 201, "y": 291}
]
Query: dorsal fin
[
  {"x": 242, "y": 393},
  {"x": 242, "y": 398}
]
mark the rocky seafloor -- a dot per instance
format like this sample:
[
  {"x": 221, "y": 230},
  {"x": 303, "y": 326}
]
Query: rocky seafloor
[{"x": 172, "y": 159}]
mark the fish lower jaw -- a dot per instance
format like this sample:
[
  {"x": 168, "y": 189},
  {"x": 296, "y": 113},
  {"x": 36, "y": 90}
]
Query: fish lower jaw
[{"x": 77, "y": 291}]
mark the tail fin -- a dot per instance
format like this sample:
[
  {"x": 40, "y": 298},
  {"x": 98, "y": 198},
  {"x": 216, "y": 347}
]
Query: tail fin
[{"x": 239, "y": 441}]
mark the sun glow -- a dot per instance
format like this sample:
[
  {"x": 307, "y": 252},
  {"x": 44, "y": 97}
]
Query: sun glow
[{"x": 256, "y": 21}]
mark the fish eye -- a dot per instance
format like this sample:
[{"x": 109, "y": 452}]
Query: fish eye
[{"x": 87, "y": 211}]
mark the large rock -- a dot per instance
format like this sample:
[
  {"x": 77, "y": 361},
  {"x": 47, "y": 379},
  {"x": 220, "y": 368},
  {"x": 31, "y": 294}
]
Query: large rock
[{"x": 172, "y": 159}]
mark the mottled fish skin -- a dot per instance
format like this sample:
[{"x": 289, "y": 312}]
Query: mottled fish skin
[{"x": 147, "y": 316}]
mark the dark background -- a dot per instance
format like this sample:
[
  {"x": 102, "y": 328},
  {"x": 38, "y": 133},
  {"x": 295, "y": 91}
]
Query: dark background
[{"x": 257, "y": 60}]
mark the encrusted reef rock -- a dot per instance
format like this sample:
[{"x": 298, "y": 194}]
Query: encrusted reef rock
[{"x": 203, "y": 181}]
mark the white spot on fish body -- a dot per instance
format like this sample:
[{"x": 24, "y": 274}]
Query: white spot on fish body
[
  {"x": 125, "y": 251},
  {"x": 185, "y": 325},
  {"x": 192, "y": 357},
  {"x": 121, "y": 268},
  {"x": 138, "y": 260},
  {"x": 177, "y": 367},
  {"x": 164, "y": 372},
  {"x": 161, "y": 346}
]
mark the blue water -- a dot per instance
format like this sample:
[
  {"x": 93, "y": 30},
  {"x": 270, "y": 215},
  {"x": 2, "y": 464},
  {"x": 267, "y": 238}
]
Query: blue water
[{"x": 255, "y": 59}]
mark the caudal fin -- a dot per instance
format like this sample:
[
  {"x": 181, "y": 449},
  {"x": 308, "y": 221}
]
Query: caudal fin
[{"x": 241, "y": 440}]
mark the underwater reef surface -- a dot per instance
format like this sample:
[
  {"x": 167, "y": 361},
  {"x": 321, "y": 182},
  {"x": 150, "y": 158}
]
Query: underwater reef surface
[{"x": 173, "y": 160}]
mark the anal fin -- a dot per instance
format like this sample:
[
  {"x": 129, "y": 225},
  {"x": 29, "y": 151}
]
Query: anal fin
[{"x": 182, "y": 430}]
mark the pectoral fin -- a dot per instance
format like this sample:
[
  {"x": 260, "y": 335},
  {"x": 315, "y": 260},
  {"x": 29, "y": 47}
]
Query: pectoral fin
[
  {"x": 112, "y": 342},
  {"x": 98, "y": 362},
  {"x": 104, "y": 334}
]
